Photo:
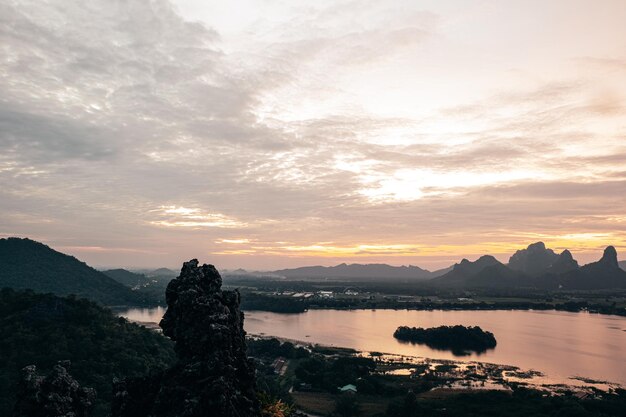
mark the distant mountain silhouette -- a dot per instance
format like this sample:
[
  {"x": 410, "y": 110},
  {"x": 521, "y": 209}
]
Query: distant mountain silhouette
[
  {"x": 486, "y": 271},
  {"x": 130, "y": 279},
  {"x": 360, "y": 271},
  {"x": 534, "y": 260},
  {"x": 162, "y": 272},
  {"x": 162, "y": 276},
  {"x": 537, "y": 260},
  {"x": 239, "y": 271},
  {"x": 26, "y": 264},
  {"x": 564, "y": 263},
  {"x": 536, "y": 267},
  {"x": 622, "y": 264},
  {"x": 498, "y": 276},
  {"x": 604, "y": 273}
]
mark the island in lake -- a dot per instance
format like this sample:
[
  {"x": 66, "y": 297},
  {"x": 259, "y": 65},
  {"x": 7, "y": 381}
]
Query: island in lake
[{"x": 460, "y": 340}]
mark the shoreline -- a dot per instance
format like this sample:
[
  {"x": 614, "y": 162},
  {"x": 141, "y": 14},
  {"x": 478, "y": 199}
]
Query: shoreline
[
  {"x": 557, "y": 377},
  {"x": 511, "y": 374},
  {"x": 621, "y": 315}
]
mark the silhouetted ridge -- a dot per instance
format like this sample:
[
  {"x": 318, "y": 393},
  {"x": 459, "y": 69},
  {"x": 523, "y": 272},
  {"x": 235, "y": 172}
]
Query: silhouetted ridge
[
  {"x": 213, "y": 376},
  {"x": 564, "y": 263},
  {"x": 360, "y": 271},
  {"x": 26, "y": 264},
  {"x": 536, "y": 267},
  {"x": 604, "y": 273},
  {"x": 609, "y": 257},
  {"x": 485, "y": 271},
  {"x": 130, "y": 279},
  {"x": 535, "y": 260}
]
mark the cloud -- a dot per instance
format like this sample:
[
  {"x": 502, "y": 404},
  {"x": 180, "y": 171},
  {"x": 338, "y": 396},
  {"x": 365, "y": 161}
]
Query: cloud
[
  {"x": 173, "y": 216},
  {"x": 123, "y": 125}
]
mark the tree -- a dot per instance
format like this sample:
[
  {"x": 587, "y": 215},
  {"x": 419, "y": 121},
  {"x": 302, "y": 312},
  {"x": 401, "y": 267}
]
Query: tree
[{"x": 347, "y": 406}]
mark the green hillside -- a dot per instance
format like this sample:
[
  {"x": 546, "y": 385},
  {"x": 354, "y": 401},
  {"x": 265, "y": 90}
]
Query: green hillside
[
  {"x": 130, "y": 279},
  {"x": 26, "y": 264},
  {"x": 41, "y": 329}
]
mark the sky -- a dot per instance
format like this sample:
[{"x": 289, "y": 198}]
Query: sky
[{"x": 265, "y": 134}]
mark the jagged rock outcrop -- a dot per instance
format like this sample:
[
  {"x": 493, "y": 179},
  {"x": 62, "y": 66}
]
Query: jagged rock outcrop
[
  {"x": 535, "y": 260},
  {"x": 54, "y": 395},
  {"x": 609, "y": 258},
  {"x": 213, "y": 376},
  {"x": 476, "y": 266},
  {"x": 463, "y": 273},
  {"x": 564, "y": 263},
  {"x": 604, "y": 273}
]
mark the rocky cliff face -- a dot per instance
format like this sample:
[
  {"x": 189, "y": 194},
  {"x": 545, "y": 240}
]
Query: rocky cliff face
[
  {"x": 609, "y": 258},
  {"x": 54, "y": 395},
  {"x": 564, "y": 263},
  {"x": 213, "y": 376},
  {"x": 463, "y": 272},
  {"x": 604, "y": 273},
  {"x": 534, "y": 260}
]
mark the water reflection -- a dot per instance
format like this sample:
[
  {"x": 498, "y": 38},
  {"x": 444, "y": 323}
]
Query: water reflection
[
  {"x": 150, "y": 317},
  {"x": 455, "y": 352},
  {"x": 559, "y": 343}
]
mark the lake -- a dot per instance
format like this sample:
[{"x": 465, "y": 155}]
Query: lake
[{"x": 558, "y": 343}]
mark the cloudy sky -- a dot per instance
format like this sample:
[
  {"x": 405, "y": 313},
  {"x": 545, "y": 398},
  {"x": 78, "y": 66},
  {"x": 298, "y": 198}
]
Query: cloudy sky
[{"x": 265, "y": 133}]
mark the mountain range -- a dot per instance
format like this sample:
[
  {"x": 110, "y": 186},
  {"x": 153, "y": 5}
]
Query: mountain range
[
  {"x": 128, "y": 278},
  {"x": 360, "y": 271},
  {"x": 27, "y": 264},
  {"x": 159, "y": 274},
  {"x": 536, "y": 266}
]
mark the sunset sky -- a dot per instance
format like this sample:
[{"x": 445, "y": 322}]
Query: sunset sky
[{"x": 266, "y": 134}]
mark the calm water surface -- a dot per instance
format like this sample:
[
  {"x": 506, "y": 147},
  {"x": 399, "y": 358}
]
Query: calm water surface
[{"x": 560, "y": 344}]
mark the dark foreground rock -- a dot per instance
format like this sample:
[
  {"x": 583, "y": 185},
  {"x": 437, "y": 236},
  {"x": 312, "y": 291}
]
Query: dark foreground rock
[
  {"x": 213, "y": 376},
  {"x": 54, "y": 395}
]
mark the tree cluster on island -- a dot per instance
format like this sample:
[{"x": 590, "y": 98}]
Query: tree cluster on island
[{"x": 459, "y": 339}]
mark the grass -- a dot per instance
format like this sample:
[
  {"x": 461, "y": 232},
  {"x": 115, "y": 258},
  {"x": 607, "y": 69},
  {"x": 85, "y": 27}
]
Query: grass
[{"x": 322, "y": 403}]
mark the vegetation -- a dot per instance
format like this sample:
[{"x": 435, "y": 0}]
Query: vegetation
[
  {"x": 41, "y": 329},
  {"x": 274, "y": 348},
  {"x": 459, "y": 339},
  {"x": 147, "y": 287},
  {"x": 347, "y": 406},
  {"x": 271, "y": 407},
  {"x": 254, "y": 301},
  {"x": 261, "y": 295},
  {"x": 522, "y": 402},
  {"x": 329, "y": 374},
  {"x": 130, "y": 279},
  {"x": 412, "y": 396},
  {"x": 27, "y": 264}
]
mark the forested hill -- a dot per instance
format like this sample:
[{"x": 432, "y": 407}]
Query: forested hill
[
  {"x": 27, "y": 264},
  {"x": 41, "y": 329},
  {"x": 130, "y": 279}
]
